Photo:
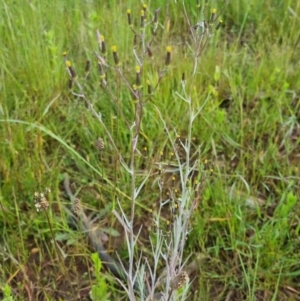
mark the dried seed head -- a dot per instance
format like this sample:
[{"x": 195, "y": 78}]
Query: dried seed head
[
  {"x": 70, "y": 83},
  {"x": 129, "y": 17},
  {"x": 65, "y": 55},
  {"x": 115, "y": 54},
  {"x": 213, "y": 14},
  {"x": 100, "y": 144},
  {"x": 77, "y": 207},
  {"x": 41, "y": 203},
  {"x": 101, "y": 70},
  {"x": 179, "y": 281},
  {"x": 183, "y": 78},
  {"x": 135, "y": 93},
  {"x": 205, "y": 164},
  {"x": 135, "y": 41},
  {"x": 103, "y": 45},
  {"x": 138, "y": 80},
  {"x": 219, "y": 24},
  {"x": 71, "y": 70},
  {"x": 149, "y": 87},
  {"x": 87, "y": 66},
  {"x": 168, "y": 57},
  {"x": 144, "y": 8},
  {"x": 142, "y": 25},
  {"x": 149, "y": 51}
]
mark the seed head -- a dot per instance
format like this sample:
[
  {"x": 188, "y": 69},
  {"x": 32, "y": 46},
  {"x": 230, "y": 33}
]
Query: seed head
[
  {"x": 219, "y": 24},
  {"x": 87, "y": 66},
  {"x": 142, "y": 25},
  {"x": 70, "y": 83},
  {"x": 100, "y": 144},
  {"x": 129, "y": 17},
  {"x": 138, "y": 80},
  {"x": 41, "y": 203},
  {"x": 135, "y": 41},
  {"x": 77, "y": 207},
  {"x": 179, "y": 281},
  {"x": 135, "y": 93},
  {"x": 149, "y": 87},
  {"x": 149, "y": 51},
  {"x": 183, "y": 78},
  {"x": 103, "y": 45},
  {"x": 213, "y": 14},
  {"x": 115, "y": 54},
  {"x": 71, "y": 70},
  {"x": 101, "y": 71},
  {"x": 168, "y": 57}
]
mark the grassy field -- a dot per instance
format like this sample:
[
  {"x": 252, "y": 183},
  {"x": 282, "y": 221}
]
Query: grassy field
[{"x": 237, "y": 163}]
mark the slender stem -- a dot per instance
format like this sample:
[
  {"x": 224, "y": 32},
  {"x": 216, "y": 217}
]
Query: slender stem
[
  {"x": 131, "y": 236},
  {"x": 170, "y": 295},
  {"x": 58, "y": 251}
]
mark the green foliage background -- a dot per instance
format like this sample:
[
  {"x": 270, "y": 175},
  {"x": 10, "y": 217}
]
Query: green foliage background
[{"x": 249, "y": 131}]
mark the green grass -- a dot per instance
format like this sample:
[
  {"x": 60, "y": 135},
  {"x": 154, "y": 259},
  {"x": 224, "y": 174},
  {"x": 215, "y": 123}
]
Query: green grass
[{"x": 249, "y": 131}]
